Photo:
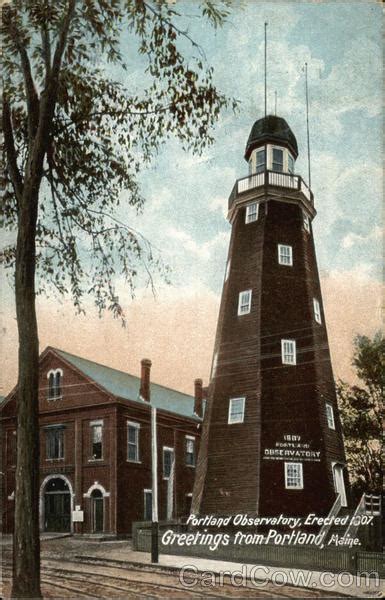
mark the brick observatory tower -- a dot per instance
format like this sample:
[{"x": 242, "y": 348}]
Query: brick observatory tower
[{"x": 272, "y": 440}]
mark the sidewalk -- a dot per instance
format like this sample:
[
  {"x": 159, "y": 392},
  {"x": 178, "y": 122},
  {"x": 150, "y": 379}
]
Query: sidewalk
[{"x": 342, "y": 583}]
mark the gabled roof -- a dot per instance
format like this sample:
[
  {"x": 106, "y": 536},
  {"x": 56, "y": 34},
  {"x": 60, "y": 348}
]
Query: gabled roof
[{"x": 127, "y": 386}]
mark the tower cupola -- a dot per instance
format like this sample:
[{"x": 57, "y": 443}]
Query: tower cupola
[{"x": 271, "y": 146}]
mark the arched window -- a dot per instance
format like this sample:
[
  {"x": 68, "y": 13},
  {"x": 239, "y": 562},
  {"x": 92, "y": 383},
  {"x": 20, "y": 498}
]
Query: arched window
[
  {"x": 57, "y": 384},
  {"x": 54, "y": 384}
]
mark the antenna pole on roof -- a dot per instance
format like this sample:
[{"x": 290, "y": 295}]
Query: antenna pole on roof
[
  {"x": 265, "y": 68},
  {"x": 275, "y": 94},
  {"x": 307, "y": 124}
]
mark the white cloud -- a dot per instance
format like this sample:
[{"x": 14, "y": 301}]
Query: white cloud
[
  {"x": 351, "y": 238},
  {"x": 204, "y": 250}
]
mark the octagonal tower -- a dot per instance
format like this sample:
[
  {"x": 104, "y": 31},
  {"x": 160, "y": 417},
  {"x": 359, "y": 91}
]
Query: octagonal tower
[{"x": 272, "y": 440}]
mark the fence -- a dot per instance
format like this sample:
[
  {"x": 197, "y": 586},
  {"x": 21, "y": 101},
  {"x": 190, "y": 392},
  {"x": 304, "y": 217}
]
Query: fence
[{"x": 306, "y": 557}]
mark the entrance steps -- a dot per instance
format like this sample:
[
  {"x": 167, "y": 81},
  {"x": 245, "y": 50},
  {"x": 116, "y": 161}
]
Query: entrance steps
[{"x": 368, "y": 506}]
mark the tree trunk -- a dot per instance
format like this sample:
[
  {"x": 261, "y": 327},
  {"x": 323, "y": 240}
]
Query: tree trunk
[{"x": 26, "y": 543}]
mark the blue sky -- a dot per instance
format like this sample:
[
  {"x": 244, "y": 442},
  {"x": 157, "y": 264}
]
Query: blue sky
[
  {"x": 341, "y": 42},
  {"x": 185, "y": 211}
]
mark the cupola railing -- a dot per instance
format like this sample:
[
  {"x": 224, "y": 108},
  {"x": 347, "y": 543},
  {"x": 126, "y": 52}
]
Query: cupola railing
[{"x": 270, "y": 178}]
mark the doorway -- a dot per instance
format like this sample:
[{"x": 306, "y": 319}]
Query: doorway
[
  {"x": 57, "y": 506},
  {"x": 97, "y": 503},
  {"x": 339, "y": 483}
]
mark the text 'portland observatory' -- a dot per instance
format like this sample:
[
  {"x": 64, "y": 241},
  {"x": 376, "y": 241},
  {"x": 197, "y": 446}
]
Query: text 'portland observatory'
[{"x": 271, "y": 440}]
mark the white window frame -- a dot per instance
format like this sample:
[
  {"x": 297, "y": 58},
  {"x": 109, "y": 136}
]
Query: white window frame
[
  {"x": 290, "y": 158},
  {"x": 251, "y": 213},
  {"x": 285, "y": 353},
  {"x": 317, "y": 311},
  {"x": 56, "y": 384},
  {"x": 306, "y": 222},
  {"x": 135, "y": 426},
  {"x": 330, "y": 415},
  {"x": 167, "y": 449},
  {"x": 227, "y": 272},
  {"x": 285, "y": 255},
  {"x": 283, "y": 158},
  {"x": 230, "y": 419},
  {"x": 190, "y": 438},
  {"x": 148, "y": 492},
  {"x": 262, "y": 165},
  {"x": 291, "y": 486},
  {"x": 242, "y": 303}
]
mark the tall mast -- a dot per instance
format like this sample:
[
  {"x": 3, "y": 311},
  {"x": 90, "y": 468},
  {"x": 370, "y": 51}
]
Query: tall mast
[
  {"x": 307, "y": 124},
  {"x": 265, "y": 68}
]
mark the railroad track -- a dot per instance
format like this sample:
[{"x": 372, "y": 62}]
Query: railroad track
[{"x": 71, "y": 578}]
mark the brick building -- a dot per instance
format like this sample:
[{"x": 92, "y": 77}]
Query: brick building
[{"x": 95, "y": 446}]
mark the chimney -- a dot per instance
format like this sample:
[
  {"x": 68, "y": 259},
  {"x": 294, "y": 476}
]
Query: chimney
[
  {"x": 198, "y": 389},
  {"x": 144, "y": 391}
]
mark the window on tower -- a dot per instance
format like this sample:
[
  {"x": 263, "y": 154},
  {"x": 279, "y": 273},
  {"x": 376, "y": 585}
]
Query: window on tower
[
  {"x": 285, "y": 255},
  {"x": 317, "y": 311},
  {"x": 214, "y": 366},
  {"x": 288, "y": 352},
  {"x": 244, "y": 302},
  {"x": 236, "y": 410},
  {"x": 290, "y": 163},
  {"x": 293, "y": 476},
  {"x": 277, "y": 159},
  {"x": 227, "y": 272},
  {"x": 306, "y": 223},
  {"x": 330, "y": 416},
  {"x": 251, "y": 212},
  {"x": 260, "y": 160}
]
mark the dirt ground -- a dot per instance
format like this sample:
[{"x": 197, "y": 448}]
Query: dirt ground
[{"x": 84, "y": 568}]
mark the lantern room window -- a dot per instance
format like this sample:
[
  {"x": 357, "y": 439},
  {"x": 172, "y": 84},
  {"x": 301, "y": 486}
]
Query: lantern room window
[
  {"x": 260, "y": 161},
  {"x": 277, "y": 159},
  {"x": 290, "y": 163}
]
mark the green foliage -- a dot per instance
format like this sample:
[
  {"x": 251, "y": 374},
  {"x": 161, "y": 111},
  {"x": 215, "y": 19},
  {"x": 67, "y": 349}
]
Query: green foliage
[
  {"x": 102, "y": 133},
  {"x": 361, "y": 409}
]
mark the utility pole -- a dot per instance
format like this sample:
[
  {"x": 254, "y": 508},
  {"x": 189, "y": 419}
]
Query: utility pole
[{"x": 154, "y": 457}]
